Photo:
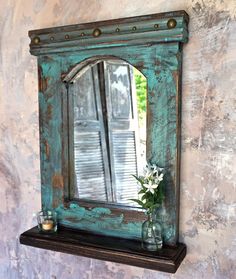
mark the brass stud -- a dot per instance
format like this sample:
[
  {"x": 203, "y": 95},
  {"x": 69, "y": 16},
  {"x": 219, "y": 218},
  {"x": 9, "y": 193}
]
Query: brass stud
[
  {"x": 36, "y": 40},
  {"x": 67, "y": 36},
  {"x": 51, "y": 38},
  {"x": 156, "y": 26},
  {"x": 82, "y": 34},
  {"x": 117, "y": 29},
  {"x": 134, "y": 28},
  {"x": 97, "y": 32},
  {"x": 171, "y": 23}
]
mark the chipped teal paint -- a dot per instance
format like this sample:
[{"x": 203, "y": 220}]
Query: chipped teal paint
[
  {"x": 50, "y": 127},
  {"x": 164, "y": 83},
  {"x": 98, "y": 220},
  {"x": 161, "y": 64}
]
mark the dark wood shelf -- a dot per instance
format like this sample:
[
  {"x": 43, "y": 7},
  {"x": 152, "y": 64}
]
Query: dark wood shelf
[{"x": 106, "y": 248}]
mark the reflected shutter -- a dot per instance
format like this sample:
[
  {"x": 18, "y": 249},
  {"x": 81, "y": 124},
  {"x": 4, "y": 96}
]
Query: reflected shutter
[
  {"x": 91, "y": 167},
  {"x": 122, "y": 127}
]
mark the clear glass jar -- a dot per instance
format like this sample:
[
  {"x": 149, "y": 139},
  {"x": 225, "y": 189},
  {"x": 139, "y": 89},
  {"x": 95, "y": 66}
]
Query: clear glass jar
[
  {"x": 151, "y": 234},
  {"x": 47, "y": 221}
]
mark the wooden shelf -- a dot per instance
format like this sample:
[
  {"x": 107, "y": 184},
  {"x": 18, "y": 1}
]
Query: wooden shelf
[{"x": 106, "y": 248}]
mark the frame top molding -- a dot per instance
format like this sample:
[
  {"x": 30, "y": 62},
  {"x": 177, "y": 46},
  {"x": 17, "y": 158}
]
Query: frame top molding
[{"x": 138, "y": 30}]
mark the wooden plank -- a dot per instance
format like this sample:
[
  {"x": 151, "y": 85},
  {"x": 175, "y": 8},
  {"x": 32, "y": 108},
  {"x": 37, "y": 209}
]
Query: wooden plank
[
  {"x": 148, "y": 29},
  {"x": 126, "y": 21},
  {"x": 52, "y": 149},
  {"x": 163, "y": 128},
  {"x": 112, "y": 249}
]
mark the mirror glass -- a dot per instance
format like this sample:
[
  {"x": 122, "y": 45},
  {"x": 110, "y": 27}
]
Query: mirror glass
[{"x": 109, "y": 131}]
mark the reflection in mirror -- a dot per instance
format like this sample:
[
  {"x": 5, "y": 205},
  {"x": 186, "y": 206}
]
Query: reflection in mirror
[{"x": 109, "y": 132}]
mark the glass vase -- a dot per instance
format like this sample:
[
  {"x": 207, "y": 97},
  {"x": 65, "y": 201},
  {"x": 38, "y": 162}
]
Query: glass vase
[{"x": 151, "y": 234}]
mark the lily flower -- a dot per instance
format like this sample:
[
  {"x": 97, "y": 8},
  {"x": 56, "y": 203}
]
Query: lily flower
[
  {"x": 150, "y": 171},
  {"x": 159, "y": 178},
  {"x": 150, "y": 186}
]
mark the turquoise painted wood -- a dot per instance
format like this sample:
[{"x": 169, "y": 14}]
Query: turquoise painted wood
[{"x": 158, "y": 55}]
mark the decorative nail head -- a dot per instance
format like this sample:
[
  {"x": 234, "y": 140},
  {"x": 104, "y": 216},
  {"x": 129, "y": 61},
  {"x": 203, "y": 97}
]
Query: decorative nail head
[
  {"x": 36, "y": 40},
  {"x": 171, "y": 23},
  {"x": 97, "y": 32}
]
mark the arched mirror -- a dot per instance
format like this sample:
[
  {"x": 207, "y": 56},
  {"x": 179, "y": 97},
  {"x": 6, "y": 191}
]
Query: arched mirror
[
  {"x": 107, "y": 132},
  {"x": 97, "y": 114},
  {"x": 97, "y": 84}
]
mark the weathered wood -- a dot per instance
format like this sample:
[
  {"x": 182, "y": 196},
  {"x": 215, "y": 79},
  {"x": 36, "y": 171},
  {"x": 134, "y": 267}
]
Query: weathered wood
[
  {"x": 152, "y": 44},
  {"x": 121, "y": 32},
  {"x": 113, "y": 249},
  {"x": 161, "y": 64}
]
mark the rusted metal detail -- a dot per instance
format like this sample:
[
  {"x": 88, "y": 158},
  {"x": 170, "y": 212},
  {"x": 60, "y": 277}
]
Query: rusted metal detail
[{"x": 57, "y": 181}]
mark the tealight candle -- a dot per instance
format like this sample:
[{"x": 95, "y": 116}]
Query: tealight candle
[
  {"x": 47, "y": 225},
  {"x": 47, "y": 221}
]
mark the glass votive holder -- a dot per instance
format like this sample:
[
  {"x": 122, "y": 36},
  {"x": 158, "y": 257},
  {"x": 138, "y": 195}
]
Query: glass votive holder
[{"x": 47, "y": 221}]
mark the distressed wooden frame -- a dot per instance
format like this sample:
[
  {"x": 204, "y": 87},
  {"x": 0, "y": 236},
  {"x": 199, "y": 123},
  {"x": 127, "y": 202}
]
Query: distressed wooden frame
[{"x": 152, "y": 44}]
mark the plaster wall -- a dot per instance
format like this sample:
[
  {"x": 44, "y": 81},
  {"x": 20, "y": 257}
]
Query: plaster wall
[{"x": 208, "y": 187}]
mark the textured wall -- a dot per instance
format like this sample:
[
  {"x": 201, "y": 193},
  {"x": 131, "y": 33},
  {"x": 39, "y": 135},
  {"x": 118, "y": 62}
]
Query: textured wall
[{"x": 208, "y": 188}]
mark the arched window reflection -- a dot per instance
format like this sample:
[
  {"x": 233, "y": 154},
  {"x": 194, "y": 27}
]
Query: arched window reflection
[{"x": 109, "y": 131}]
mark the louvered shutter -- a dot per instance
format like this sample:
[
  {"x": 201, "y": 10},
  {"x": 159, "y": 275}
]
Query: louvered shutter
[
  {"x": 91, "y": 167},
  {"x": 122, "y": 129}
]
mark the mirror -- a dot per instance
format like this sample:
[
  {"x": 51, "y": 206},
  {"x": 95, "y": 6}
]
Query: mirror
[
  {"x": 79, "y": 144},
  {"x": 108, "y": 125}
]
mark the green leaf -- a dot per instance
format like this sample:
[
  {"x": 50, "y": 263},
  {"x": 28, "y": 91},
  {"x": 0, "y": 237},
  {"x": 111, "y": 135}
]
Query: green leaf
[
  {"x": 138, "y": 202},
  {"x": 137, "y": 178},
  {"x": 142, "y": 191},
  {"x": 143, "y": 198}
]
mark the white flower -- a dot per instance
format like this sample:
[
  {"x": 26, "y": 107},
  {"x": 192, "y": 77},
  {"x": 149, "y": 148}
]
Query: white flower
[
  {"x": 159, "y": 178},
  {"x": 150, "y": 186},
  {"x": 150, "y": 171}
]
